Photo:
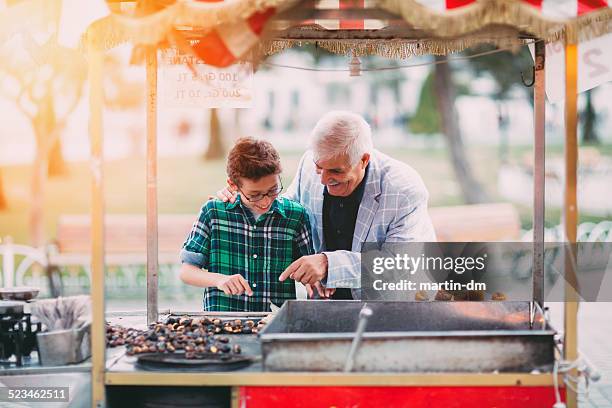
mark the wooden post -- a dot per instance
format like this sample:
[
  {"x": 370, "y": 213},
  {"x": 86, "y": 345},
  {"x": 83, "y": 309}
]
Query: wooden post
[
  {"x": 570, "y": 211},
  {"x": 98, "y": 333},
  {"x": 152, "y": 238},
  {"x": 539, "y": 102}
]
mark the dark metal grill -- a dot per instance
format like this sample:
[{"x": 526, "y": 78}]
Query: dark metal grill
[{"x": 17, "y": 337}]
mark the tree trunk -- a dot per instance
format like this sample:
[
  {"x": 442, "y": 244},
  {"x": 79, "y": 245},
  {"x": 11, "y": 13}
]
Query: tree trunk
[
  {"x": 445, "y": 97},
  {"x": 215, "y": 144},
  {"x": 44, "y": 126},
  {"x": 57, "y": 164},
  {"x": 589, "y": 121},
  {"x": 3, "y": 200},
  {"x": 39, "y": 175},
  {"x": 237, "y": 123}
]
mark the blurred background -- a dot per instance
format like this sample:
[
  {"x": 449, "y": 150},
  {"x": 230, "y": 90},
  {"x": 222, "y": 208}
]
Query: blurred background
[{"x": 479, "y": 152}]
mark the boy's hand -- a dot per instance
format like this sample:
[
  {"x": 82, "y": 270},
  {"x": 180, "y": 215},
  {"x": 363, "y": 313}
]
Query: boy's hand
[
  {"x": 227, "y": 194},
  {"x": 234, "y": 285}
]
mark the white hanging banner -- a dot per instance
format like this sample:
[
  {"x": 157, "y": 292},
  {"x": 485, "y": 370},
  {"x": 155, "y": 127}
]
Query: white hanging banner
[
  {"x": 594, "y": 66},
  {"x": 203, "y": 86}
]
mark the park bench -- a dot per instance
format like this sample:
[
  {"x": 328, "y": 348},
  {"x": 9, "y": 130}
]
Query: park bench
[
  {"x": 476, "y": 223},
  {"x": 125, "y": 241},
  {"x": 125, "y": 248}
]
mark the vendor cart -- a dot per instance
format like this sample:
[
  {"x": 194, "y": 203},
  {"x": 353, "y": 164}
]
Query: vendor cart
[{"x": 224, "y": 32}]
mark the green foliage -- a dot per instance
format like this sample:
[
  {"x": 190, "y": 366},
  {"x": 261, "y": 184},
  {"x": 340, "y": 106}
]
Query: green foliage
[
  {"x": 505, "y": 68},
  {"x": 427, "y": 118}
]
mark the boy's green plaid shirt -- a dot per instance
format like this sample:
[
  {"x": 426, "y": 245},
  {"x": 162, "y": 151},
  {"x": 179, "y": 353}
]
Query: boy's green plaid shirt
[{"x": 226, "y": 239}]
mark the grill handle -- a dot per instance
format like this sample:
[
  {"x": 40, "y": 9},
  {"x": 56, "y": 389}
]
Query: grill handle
[{"x": 364, "y": 314}]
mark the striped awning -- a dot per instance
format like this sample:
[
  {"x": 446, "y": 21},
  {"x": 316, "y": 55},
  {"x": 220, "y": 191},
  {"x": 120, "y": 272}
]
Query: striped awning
[
  {"x": 220, "y": 32},
  {"x": 560, "y": 9}
]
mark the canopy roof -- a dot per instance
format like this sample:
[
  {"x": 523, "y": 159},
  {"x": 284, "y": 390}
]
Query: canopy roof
[{"x": 220, "y": 32}]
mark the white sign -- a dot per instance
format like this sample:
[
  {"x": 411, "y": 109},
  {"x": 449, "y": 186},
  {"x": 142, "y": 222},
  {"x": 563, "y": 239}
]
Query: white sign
[
  {"x": 187, "y": 82},
  {"x": 594, "y": 66}
]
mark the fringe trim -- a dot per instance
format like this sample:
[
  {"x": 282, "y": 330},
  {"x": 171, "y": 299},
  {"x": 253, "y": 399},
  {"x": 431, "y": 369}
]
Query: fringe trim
[{"x": 394, "y": 49}]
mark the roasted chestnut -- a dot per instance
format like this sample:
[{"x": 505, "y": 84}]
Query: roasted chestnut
[{"x": 499, "y": 296}]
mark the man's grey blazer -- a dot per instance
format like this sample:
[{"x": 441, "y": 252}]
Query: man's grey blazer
[{"x": 393, "y": 209}]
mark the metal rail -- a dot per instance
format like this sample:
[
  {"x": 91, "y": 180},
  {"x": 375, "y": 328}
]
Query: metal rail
[
  {"x": 152, "y": 227},
  {"x": 330, "y": 379},
  {"x": 539, "y": 102},
  {"x": 98, "y": 335},
  {"x": 570, "y": 210}
]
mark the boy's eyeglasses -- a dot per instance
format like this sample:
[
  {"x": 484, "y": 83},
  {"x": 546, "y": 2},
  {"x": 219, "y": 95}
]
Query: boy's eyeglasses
[{"x": 272, "y": 193}]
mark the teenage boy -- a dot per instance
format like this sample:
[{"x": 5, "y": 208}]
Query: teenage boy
[{"x": 237, "y": 251}]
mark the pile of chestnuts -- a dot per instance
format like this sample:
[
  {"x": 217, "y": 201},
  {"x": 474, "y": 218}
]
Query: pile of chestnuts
[{"x": 198, "y": 337}]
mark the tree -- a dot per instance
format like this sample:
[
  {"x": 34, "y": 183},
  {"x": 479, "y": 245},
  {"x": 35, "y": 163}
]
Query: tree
[
  {"x": 120, "y": 92},
  {"x": 505, "y": 69},
  {"x": 215, "y": 143},
  {"x": 436, "y": 113},
  {"x": 589, "y": 119},
  {"x": 3, "y": 200},
  {"x": 426, "y": 119},
  {"x": 445, "y": 97},
  {"x": 46, "y": 83}
]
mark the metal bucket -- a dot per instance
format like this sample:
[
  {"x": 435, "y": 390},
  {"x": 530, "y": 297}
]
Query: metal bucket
[{"x": 64, "y": 346}]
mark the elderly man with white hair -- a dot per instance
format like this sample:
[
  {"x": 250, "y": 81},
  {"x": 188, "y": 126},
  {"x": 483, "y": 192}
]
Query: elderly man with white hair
[{"x": 354, "y": 194}]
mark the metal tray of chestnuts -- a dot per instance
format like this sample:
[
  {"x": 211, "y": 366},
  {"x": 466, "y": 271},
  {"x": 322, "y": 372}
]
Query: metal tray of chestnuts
[
  {"x": 200, "y": 362},
  {"x": 184, "y": 342}
]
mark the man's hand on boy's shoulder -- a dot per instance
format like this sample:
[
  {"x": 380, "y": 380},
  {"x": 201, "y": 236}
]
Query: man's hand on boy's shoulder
[
  {"x": 226, "y": 194},
  {"x": 234, "y": 285}
]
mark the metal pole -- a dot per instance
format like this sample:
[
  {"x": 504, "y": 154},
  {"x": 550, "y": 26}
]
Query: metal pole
[
  {"x": 98, "y": 334},
  {"x": 152, "y": 238},
  {"x": 539, "y": 100},
  {"x": 8, "y": 261},
  {"x": 570, "y": 210}
]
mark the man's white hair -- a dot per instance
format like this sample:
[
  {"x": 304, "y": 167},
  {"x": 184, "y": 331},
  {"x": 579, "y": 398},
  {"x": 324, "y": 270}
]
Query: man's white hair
[{"x": 341, "y": 132}]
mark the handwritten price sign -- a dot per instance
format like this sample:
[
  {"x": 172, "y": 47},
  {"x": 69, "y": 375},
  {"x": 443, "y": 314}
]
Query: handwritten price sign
[
  {"x": 594, "y": 66},
  {"x": 204, "y": 86}
]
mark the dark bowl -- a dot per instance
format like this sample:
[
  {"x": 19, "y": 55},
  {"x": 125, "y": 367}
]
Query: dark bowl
[{"x": 18, "y": 293}]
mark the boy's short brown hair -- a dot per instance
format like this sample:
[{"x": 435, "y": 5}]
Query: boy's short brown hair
[{"x": 252, "y": 159}]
